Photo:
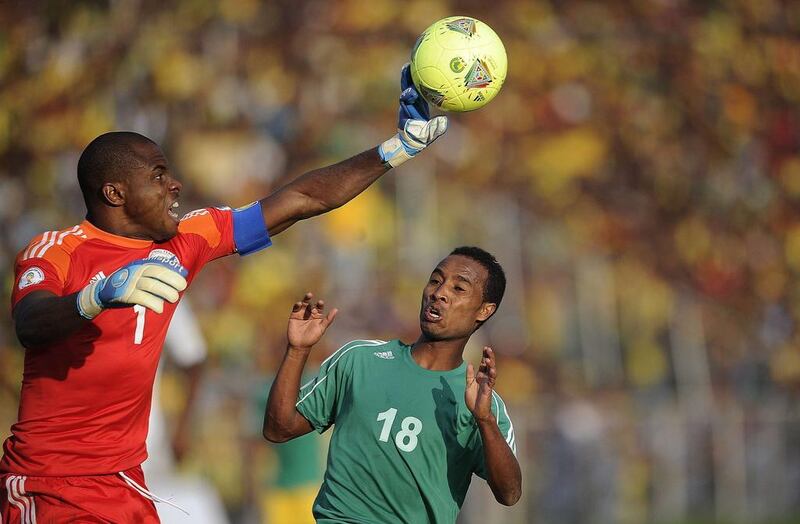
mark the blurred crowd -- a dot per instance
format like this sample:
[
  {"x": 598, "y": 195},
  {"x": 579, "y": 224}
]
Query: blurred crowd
[{"x": 638, "y": 177}]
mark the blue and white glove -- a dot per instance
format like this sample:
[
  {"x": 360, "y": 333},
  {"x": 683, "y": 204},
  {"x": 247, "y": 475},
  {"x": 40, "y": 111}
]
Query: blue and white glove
[
  {"x": 146, "y": 282},
  {"x": 416, "y": 129}
]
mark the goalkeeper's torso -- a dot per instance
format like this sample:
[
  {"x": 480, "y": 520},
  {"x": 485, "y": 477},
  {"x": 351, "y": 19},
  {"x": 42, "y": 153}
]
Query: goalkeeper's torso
[{"x": 85, "y": 400}]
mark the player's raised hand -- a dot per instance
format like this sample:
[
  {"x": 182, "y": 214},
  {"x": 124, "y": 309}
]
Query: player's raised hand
[
  {"x": 144, "y": 282},
  {"x": 416, "y": 130},
  {"x": 478, "y": 394},
  {"x": 308, "y": 322}
]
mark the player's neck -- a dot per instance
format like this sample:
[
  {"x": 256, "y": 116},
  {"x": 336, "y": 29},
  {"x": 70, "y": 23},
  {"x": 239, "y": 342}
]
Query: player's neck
[
  {"x": 438, "y": 355},
  {"x": 121, "y": 228}
]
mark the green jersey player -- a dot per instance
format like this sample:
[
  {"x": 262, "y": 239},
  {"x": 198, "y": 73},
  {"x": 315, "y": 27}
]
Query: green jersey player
[{"x": 412, "y": 422}]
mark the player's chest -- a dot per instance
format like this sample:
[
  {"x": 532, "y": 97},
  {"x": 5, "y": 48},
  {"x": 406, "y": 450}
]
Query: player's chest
[
  {"x": 96, "y": 262},
  {"x": 410, "y": 413}
]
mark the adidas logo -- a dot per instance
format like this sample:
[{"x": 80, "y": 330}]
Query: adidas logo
[
  {"x": 98, "y": 276},
  {"x": 386, "y": 355}
]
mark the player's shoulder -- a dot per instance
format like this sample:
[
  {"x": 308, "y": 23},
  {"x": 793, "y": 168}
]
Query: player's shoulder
[
  {"x": 355, "y": 349},
  {"x": 504, "y": 421},
  {"x": 53, "y": 246},
  {"x": 499, "y": 406},
  {"x": 203, "y": 222},
  {"x": 203, "y": 214}
]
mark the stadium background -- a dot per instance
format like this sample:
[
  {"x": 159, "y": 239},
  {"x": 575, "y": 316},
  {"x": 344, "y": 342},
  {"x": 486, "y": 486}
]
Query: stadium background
[{"x": 638, "y": 177}]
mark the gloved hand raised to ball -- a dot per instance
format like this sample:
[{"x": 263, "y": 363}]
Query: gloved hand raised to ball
[
  {"x": 146, "y": 282},
  {"x": 416, "y": 130}
]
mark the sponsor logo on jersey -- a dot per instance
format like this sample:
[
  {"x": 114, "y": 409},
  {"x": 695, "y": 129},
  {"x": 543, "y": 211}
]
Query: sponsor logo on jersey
[
  {"x": 386, "y": 355},
  {"x": 169, "y": 258},
  {"x": 30, "y": 277}
]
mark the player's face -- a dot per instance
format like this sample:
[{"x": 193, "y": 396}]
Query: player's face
[
  {"x": 152, "y": 195},
  {"x": 452, "y": 301}
]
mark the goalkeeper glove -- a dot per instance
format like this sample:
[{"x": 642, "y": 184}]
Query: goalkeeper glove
[
  {"x": 415, "y": 128},
  {"x": 146, "y": 282}
]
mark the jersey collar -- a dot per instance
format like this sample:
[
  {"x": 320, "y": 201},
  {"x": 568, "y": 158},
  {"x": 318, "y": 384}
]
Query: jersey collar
[{"x": 92, "y": 231}]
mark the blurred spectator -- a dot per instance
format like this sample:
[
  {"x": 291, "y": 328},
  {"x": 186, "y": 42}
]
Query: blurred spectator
[
  {"x": 168, "y": 441},
  {"x": 640, "y": 172}
]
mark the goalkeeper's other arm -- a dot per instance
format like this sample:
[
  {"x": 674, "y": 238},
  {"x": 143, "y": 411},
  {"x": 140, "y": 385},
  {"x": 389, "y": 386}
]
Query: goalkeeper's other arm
[{"x": 42, "y": 317}]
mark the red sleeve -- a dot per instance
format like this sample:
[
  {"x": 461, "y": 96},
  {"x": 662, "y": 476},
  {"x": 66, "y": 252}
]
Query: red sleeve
[
  {"x": 210, "y": 232},
  {"x": 41, "y": 266}
]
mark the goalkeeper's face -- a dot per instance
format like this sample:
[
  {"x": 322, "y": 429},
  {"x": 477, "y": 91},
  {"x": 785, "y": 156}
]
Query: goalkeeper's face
[
  {"x": 151, "y": 199},
  {"x": 452, "y": 301}
]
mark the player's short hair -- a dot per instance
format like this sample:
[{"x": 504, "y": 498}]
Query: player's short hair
[
  {"x": 495, "y": 285},
  {"x": 108, "y": 157}
]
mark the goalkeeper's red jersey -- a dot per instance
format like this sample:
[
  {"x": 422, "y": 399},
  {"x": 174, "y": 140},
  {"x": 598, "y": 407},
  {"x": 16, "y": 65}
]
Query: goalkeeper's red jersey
[{"x": 85, "y": 400}]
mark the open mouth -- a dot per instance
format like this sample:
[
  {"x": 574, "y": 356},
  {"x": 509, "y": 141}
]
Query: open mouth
[
  {"x": 172, "y": 211},
  {"x": 431, "y": 314}
]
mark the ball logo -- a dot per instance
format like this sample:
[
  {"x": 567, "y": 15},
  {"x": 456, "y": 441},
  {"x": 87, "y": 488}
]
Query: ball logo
[
  {"x": 30, "y": 277},
  {"x": 465, "y": 26},
  {"x": 457, "y": 64},
  {"x": 434, "y": 97},
  {"x": 478, "y": 75}
]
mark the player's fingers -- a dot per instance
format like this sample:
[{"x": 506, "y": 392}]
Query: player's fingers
[
  {"x": 405, "y": 76},
  {"x": 165, "y": 275},
  {"x": 412, "y": 112},
  {"x": 470, "y": 374},
  {"x": 158, "y": 288},
  {"x": 427, "y": 131},
  {"x": 409, "y": 96},
  {"x": 151, "y": 302},
  {"x": 422, "y": 107},
  {"x": 296, "y": 307},
  {"x": 330, "y": 317},
  {"x": 319, "y": 306}
]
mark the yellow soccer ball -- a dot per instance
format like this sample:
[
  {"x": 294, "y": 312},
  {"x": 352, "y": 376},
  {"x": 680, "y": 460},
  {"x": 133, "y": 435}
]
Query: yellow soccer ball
[{"x": 458, "y": 64}]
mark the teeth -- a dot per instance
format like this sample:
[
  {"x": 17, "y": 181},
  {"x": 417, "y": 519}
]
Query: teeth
[{"x": 175, "y": 204}]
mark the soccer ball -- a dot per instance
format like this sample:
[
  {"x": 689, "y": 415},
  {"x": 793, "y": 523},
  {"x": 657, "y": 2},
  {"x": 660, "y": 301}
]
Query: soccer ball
[{"x": 458, "y": 64}]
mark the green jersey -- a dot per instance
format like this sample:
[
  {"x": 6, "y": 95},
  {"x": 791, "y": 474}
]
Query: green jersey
[{"x": 404, "y": 444}]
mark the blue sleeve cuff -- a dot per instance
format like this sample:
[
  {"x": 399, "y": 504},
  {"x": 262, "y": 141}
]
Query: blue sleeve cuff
[{"x": 249, "y": 231}]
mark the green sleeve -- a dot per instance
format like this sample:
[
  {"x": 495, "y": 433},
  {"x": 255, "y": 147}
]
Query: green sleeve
[
  {"x": 506, "y": 429},
  {"x": 320, "y": 399}
]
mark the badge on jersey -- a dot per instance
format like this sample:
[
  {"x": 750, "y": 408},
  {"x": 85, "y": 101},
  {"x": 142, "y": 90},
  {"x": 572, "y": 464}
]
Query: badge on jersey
[{"x": 30, "y": 277}]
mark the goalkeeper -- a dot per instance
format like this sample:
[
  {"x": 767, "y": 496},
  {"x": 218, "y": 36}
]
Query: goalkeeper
[
  {"x": 412, "y": 422},
  {"x": 92, "y": 303}
]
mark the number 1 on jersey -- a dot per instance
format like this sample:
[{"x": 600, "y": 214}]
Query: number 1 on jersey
[
  {"x": 139, "y": 333},
  {"x": 388, "y": 416}
]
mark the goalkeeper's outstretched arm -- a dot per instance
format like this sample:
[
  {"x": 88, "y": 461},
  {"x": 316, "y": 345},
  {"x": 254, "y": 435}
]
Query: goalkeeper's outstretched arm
[{"x": 327, "y": 188}]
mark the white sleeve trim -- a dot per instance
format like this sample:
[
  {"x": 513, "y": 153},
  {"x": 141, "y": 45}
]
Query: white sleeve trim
[
  {"x": 339, "y": 353},
  {"x": 511, "y": 438}
]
